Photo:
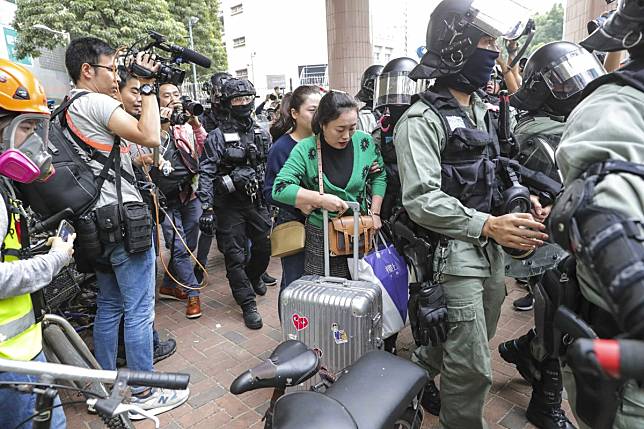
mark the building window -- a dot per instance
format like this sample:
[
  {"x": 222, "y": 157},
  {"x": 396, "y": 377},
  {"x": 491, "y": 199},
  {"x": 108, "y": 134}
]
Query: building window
[
  {"x": 239, "y": 42},
  {"x": 237, "y": 9},
  {"x": 241, "y": 74}
]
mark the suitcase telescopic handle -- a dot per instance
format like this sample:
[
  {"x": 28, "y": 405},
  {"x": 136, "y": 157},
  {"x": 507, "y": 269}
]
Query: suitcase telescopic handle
[{"x": 355, "y": 207}]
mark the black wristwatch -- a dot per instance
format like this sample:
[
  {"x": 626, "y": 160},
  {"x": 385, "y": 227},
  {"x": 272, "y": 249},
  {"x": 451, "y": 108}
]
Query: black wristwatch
[{"x": 147, "y": 89}]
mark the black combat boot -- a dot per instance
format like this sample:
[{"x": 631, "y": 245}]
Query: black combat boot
[
  {"x": 517, "y": 352},
  {"x": 431, "y": 400},
  {"x": 544, "y": 410},
  {"x": 252, "y": 319},
  {"x": 260, "y": 287}
]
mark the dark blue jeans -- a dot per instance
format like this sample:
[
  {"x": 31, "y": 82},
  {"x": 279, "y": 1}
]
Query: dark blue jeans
[
  {"x": 292, "y": 269},
  {"x": 186, "y": 221},
  {"x": 17, "y": 407}
]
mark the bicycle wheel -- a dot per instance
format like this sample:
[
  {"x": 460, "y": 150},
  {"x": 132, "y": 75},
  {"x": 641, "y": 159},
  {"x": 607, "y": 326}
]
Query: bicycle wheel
[{"x": 58, "y": 348}]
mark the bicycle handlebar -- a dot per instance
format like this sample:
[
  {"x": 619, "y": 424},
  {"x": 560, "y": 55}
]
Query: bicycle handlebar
[{"x": 167, "y": 380}]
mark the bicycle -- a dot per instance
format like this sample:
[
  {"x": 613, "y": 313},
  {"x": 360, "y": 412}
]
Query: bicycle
[
  {"x": 354, "y": 400},
  {"x": 109, "y": 407}
]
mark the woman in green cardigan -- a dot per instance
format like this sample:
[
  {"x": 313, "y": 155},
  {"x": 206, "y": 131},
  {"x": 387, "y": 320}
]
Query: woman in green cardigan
[{"x": 351, "y": 164}]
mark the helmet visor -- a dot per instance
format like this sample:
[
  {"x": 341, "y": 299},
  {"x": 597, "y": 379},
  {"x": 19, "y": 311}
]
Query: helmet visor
[
  {"x": 396, "y": 88},
  {"x": 500, "y": 18},
  {"x": 572, "y": 73},
  {"x": 242, "y": 100}
]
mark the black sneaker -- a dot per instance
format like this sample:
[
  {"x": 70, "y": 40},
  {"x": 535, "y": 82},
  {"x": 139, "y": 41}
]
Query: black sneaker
[
  {"x": 164, "y": 349},
  {"x": 268, "y": 279},
  {"x": 517, "y": 352},
  {"x": 525, "y": 303},
  {"x": 252, "y": 319},
  {"x": 260, "y": 288},
  {"x": 431, "y": 400},
  {"x": 198, "y": 273},
  {"x": 547, "y": 416}
]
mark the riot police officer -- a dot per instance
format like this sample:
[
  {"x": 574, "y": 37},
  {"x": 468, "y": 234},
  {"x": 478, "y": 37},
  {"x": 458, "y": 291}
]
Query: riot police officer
[
  {"x": 600, "y": 216},
  {"x": 231, "y": 176},
  {"x": 447, "y": 148},
  {"x": 544, "y": 107},
  {"x": 214, "y": 115},
  {"x": 367, "y": 118}
]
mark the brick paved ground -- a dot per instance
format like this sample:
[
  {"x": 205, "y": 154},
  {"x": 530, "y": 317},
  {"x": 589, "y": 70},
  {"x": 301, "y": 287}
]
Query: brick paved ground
[{"x": 215, "y": 348}]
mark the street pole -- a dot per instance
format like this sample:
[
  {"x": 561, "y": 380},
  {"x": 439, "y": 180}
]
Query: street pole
[{"x": 191, "y": 21}]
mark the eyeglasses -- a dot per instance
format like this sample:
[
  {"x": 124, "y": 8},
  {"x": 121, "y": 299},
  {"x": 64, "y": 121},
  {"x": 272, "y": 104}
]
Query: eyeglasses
[{"x": 110, "y": 68}]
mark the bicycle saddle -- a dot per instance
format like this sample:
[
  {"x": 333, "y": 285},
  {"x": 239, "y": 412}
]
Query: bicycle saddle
[
  {"x": 306, "y": 409},
  {"x": 290, "y": 364},
  {"x": 377, "y": 389}
]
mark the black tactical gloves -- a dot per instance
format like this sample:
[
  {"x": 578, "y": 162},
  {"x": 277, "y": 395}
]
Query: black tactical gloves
[
  {"x": 428, "y": 313},
  {"x": 207, "y": 222}
]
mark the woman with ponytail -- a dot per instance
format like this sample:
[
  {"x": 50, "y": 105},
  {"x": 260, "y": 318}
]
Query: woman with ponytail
[{"x": 293, "y": 125}]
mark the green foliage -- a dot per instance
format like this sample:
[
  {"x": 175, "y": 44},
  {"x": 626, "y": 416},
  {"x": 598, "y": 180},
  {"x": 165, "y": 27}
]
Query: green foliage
[
  {"x": 120, "y": 23},
  {"x": 549, "y": 28}
]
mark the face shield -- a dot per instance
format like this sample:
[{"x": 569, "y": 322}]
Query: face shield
[
  {"x": 396, "y": 88},
  {"x": 24, "y": 142},
  {"x": 242, "y": 100},
  {"x": 500, "y": 18},
  {"x": 572, "y": 73}
]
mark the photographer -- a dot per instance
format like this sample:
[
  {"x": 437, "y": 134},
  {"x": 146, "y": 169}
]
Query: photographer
[
  {"x": 182, "y": 139},
  {"x": 230, "y": 182},
  {"x": 23, "y": 125},
  {"x": 125, "y": 266}
]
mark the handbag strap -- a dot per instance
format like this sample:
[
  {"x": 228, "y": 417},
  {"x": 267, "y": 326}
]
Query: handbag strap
[{"x": 320, "y": 172}]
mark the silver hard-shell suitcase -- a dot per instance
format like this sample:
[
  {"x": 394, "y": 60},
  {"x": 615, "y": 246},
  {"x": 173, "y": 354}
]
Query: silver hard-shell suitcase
[{"x": 339, "y": 317}]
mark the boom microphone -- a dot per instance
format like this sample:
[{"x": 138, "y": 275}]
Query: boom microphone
[{"x": 190, "y": 56}]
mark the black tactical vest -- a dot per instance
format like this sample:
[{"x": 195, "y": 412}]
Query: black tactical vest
[
  {"x": 470, "y": 156},
  {"x": 243, "y": 148}
]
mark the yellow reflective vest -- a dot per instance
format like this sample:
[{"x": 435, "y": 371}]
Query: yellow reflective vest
[{"x": 20, "y": 335}]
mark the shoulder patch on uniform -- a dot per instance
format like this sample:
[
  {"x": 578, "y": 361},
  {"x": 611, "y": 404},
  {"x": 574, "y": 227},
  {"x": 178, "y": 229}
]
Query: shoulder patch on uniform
[{"x": 231, "y": 137}]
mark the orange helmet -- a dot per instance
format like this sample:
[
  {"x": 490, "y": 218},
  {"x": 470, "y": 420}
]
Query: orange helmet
[{"x": 20, "y": 91}]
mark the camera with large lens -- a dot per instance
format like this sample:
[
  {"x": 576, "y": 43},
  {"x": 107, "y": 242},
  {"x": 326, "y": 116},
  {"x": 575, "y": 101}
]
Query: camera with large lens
[
  {"x": 188, "y": 109},
  {"x": 167, "y": 72}
]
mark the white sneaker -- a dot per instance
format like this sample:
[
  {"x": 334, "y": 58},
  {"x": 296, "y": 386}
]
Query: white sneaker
[{"x": 160, "y": 401}]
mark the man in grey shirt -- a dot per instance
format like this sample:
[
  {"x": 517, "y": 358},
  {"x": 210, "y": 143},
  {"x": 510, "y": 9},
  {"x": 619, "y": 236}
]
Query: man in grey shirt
[{"x": 126, "y": 280}]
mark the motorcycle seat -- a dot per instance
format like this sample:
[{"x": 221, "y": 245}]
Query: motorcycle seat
[
  {"x": 290, "y": 364},
  {"x": 378, "y": 388},
  {"x": 306, "y": 409}
]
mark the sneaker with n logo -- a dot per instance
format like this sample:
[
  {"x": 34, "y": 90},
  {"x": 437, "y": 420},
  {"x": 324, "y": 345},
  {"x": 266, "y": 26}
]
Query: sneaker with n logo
[{"x": 159, "y": 401}]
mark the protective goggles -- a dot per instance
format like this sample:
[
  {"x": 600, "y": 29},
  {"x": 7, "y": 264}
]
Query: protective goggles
[
  {"x": 24, "y": 142},
  {"x": 572, "y": 73},
  {"x": 241, "y": 100},
  {"x": 396, "y": 88},
  {"x": 500, "y": 18}
]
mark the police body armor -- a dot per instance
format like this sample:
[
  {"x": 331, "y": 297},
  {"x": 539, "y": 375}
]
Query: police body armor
[
  {"x": 20, "y": 331},
  {"x": 392, "y": 198},
  {"x": 615, "y": 243},
  {"x": 241, "y": 172},
  {"x": 469, "y": 157}
]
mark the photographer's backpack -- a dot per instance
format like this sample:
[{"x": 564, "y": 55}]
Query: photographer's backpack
[{"x": 74, "y": 184}]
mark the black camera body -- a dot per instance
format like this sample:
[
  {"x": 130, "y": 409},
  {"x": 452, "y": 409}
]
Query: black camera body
[
  {"x": 188, "y": 109},
  {"x": 168, "y": 72}
]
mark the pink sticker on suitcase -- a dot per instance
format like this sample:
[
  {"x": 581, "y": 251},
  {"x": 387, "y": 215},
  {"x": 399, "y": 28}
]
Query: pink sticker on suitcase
[{"x": 300, "y": 322}]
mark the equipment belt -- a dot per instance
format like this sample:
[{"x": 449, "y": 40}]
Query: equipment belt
[{"x": 17, "y": 326}]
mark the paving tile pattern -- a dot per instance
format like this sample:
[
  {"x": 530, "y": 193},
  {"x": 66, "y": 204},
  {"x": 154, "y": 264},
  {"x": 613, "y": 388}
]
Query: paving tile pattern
[{"x": 217, "y": 347}]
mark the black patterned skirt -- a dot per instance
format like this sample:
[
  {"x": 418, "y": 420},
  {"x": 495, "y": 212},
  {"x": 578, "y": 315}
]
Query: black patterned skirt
[{"x": 314, "y": 255}]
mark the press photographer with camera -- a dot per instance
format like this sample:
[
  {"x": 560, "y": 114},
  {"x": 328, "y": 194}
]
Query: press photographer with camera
[
  {"x": 231, "y": 175},
  {"x": 182, "y": 139},
  {"x": 125, "y": 263}
]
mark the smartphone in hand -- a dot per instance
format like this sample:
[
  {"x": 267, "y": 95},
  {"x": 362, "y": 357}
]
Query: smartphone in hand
[{"x": 65, "y": 229}]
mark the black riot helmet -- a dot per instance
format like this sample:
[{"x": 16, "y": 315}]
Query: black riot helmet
[
  {"x": 623, "y": 29},
  {"x": 554, "y": 78},
  {"x": 455, "y": 28},
  {"x": 367, "y": 83},
  {"x": 394, "y": 87},
  {"x": 215, "y": 86},
  {"x": 238, "y": 97}
]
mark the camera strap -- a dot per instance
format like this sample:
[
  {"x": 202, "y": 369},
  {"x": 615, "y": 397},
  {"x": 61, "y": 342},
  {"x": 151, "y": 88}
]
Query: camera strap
[{"x": 117, "y": 171}]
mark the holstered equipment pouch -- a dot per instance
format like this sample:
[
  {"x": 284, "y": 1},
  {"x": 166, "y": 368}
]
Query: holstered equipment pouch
[
  {"x": 108, "y": 220},
  {"x": 137, "y": 227}
]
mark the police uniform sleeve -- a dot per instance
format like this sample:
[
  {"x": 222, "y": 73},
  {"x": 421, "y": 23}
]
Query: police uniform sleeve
[
  {"x": 417, "y": 139},
  {"x": 289, "y": 179},
  {"x": 208, "y": 166}
]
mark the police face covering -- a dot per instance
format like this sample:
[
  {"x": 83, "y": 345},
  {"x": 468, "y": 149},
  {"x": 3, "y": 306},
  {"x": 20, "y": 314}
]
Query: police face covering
[{"x": 476, "y": 72}]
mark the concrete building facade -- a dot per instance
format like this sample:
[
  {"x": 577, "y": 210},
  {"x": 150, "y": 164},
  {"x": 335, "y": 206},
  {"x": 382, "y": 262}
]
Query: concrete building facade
[{"x": 578, "y": 13}]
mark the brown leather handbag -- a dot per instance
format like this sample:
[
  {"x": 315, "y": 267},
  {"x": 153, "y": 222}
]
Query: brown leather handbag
[{"x": 341, "y": 228}]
